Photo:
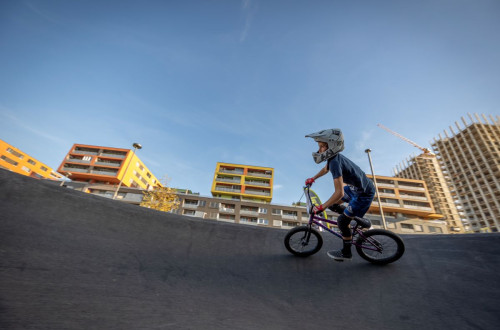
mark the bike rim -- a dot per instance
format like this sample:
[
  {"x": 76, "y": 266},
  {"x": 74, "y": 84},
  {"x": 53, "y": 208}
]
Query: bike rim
[
  {"x": 299, "y": 242},
  {"x": 380, "y": 247}
]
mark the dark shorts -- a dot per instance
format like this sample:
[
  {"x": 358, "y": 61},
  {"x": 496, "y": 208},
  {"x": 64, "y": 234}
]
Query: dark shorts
[{"x": 359, "y": 203}]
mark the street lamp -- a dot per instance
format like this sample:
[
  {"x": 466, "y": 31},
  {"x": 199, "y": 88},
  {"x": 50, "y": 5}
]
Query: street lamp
[
  {"x": 376, "y": 189},
  {"x": 64, "y": 181},
  {"x": 136, "y": 146}
]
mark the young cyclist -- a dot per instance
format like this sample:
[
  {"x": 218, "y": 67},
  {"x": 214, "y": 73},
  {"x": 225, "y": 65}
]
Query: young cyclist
[{"x": 351, "y": 186}]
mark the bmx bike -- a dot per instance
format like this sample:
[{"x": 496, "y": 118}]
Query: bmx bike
[{"x": 378, "y": 246}]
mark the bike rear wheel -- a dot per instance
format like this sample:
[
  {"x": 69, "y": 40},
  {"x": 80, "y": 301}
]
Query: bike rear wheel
[
  {"x": 380, "y": 246},
  {"x": 303, "y": 241}
]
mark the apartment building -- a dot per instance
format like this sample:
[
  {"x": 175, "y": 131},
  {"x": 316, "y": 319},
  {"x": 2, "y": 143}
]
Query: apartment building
[
  {"x": 289, "y": 216},
  {"x": 407, "y": 206},
  {"x": 426, "y": 167},
  {"x": 243, "y": 182},
  {"x": 107, "y": 165},
  {"x": 403, "y": 218},
  {"x": 470, "y": 154},
  {"x": 15, "y": 160}
]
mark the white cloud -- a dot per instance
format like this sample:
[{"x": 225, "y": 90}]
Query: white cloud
[
  {"x": 249, "y": 11},
  {"x": 14, "y": 120}
]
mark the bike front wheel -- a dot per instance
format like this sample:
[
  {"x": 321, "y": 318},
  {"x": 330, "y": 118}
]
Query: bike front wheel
[
  {"x": 303, "y": 241},
  {"x": 380, "y": 246}
]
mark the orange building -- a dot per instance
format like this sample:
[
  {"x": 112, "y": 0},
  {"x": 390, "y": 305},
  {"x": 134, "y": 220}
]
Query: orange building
[
  {"x": 107, "y": 165},
  {"x": 17, "y": 161}
]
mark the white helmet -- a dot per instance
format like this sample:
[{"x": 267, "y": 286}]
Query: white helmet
[{"x": 335, "y": 140}]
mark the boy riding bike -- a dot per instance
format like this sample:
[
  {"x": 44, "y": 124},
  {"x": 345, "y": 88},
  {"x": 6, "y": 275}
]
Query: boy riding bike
[{"x": 358, "y": 190}]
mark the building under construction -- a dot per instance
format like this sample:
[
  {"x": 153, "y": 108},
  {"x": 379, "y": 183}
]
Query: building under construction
[
  {"x": 470, "y": 155},
  {"x": 426, "y": 167}
]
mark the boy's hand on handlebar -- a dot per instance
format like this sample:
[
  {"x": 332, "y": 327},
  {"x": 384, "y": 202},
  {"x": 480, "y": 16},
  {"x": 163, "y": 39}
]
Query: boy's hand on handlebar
[
  {"x": 318, "y": 209},
  {"x": 309, "y": 182}
]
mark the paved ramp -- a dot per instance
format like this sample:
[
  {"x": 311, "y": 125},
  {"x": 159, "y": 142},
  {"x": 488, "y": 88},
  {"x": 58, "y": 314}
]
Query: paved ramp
[{"x": 70, "y": 260}]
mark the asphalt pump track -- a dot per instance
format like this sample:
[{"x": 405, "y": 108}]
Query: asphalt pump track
[{"x": 70, "y": 260}]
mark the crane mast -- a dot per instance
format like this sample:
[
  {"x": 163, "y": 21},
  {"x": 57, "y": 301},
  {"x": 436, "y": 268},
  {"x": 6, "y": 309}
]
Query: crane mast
[{"x": 426, "y": 151}]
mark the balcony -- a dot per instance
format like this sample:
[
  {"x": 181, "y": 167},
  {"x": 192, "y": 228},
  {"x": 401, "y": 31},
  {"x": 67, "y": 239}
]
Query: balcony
[
  {"x": 382, "y": 184},
  {"x": 387, "y": 204},
  {"x": 108, "y": 164},
  {"x": 72, "y": 169},
  {"x": 226, "y": 210},
  {"x": 84, "y": 152},
  {"x": 121, "y": 156},
  {"x": 248, "y": 212},
  {"x": 414, "y": 207},
  {"x": 219, "y": 188},
  {"x": 258, "y": 183},
  {"x": 258, "y": 174},
  {"x": 420, "y": 198},
  {"x": 254, "y": 192},
  {"x": 289, "y": 217},
  {"x": 237, "y": 172},
  {"x": 411, "y": 188},
  {"x": 77, "y": 160},
  {"x": 227, "y": 180},
  {"x": 100, "y": 172}
]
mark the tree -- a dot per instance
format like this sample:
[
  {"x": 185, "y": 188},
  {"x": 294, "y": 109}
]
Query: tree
[{"x": 161, "y": 198}]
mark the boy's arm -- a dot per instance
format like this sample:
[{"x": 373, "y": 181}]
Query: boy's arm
[
  {"x": 323, "y": 171},
  {"x": 337, "y": 195}
]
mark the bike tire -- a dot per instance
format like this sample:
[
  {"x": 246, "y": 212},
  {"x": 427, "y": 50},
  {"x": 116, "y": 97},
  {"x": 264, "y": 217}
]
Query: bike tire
[
  {"x": 391, "y": 246},
  {"x": 303, "y": 241}
]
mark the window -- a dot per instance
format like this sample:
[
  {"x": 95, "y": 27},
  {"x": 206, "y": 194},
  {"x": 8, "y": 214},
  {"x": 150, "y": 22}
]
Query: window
[
  {"x": 31, "y": 161},
  {"x": 407, "y": 226},
  {"x": 435, "y": 230},
  {"x": 262, "y": 210},
  {"x": 43, "y": 168},
  {"x": 203, "y": 203},
  {"x": 8, "y": 160},
  {"x": 276, "y": 211},
  {"x": 15, "y": 153},
  {"x": 214, "y": 205},
  {"x": 263, "y": 222}
]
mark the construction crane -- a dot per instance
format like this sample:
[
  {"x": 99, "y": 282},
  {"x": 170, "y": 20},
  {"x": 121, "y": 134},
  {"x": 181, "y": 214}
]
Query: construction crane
[{"x": 426, "y": 151}]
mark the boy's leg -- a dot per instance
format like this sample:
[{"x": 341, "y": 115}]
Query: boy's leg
[
  {"x": 345, "y": 253},
  {"x": 358, "y": 206}
]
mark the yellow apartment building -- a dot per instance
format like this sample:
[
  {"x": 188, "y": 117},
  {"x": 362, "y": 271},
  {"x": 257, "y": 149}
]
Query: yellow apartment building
[
  {"x": 243, "y": 182},
  {"x": 13, "y": 159},
  {"x": 107, "y": 165}
]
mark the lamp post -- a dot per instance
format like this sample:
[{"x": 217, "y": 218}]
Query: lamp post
[
  {"x": 64, "y": 181},
  {"x": 136, "y": 146},
  {"x": 376, "y": 189}
]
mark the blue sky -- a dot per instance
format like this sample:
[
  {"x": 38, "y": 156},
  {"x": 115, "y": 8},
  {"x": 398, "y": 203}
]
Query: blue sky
[{"x": 197, "y": 82}]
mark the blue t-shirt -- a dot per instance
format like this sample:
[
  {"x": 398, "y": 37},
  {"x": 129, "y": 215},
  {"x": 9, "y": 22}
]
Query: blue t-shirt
[{"x": 341, "y": 166}]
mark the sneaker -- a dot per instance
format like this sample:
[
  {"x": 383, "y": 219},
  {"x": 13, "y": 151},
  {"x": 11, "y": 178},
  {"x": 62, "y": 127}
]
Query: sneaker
[
  {"x": 338, "y": 255},
  {"x": 364, "y": 223}
]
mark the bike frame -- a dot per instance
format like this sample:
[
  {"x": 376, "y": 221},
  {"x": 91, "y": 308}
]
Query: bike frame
[{"x": 314, "y": 219}]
